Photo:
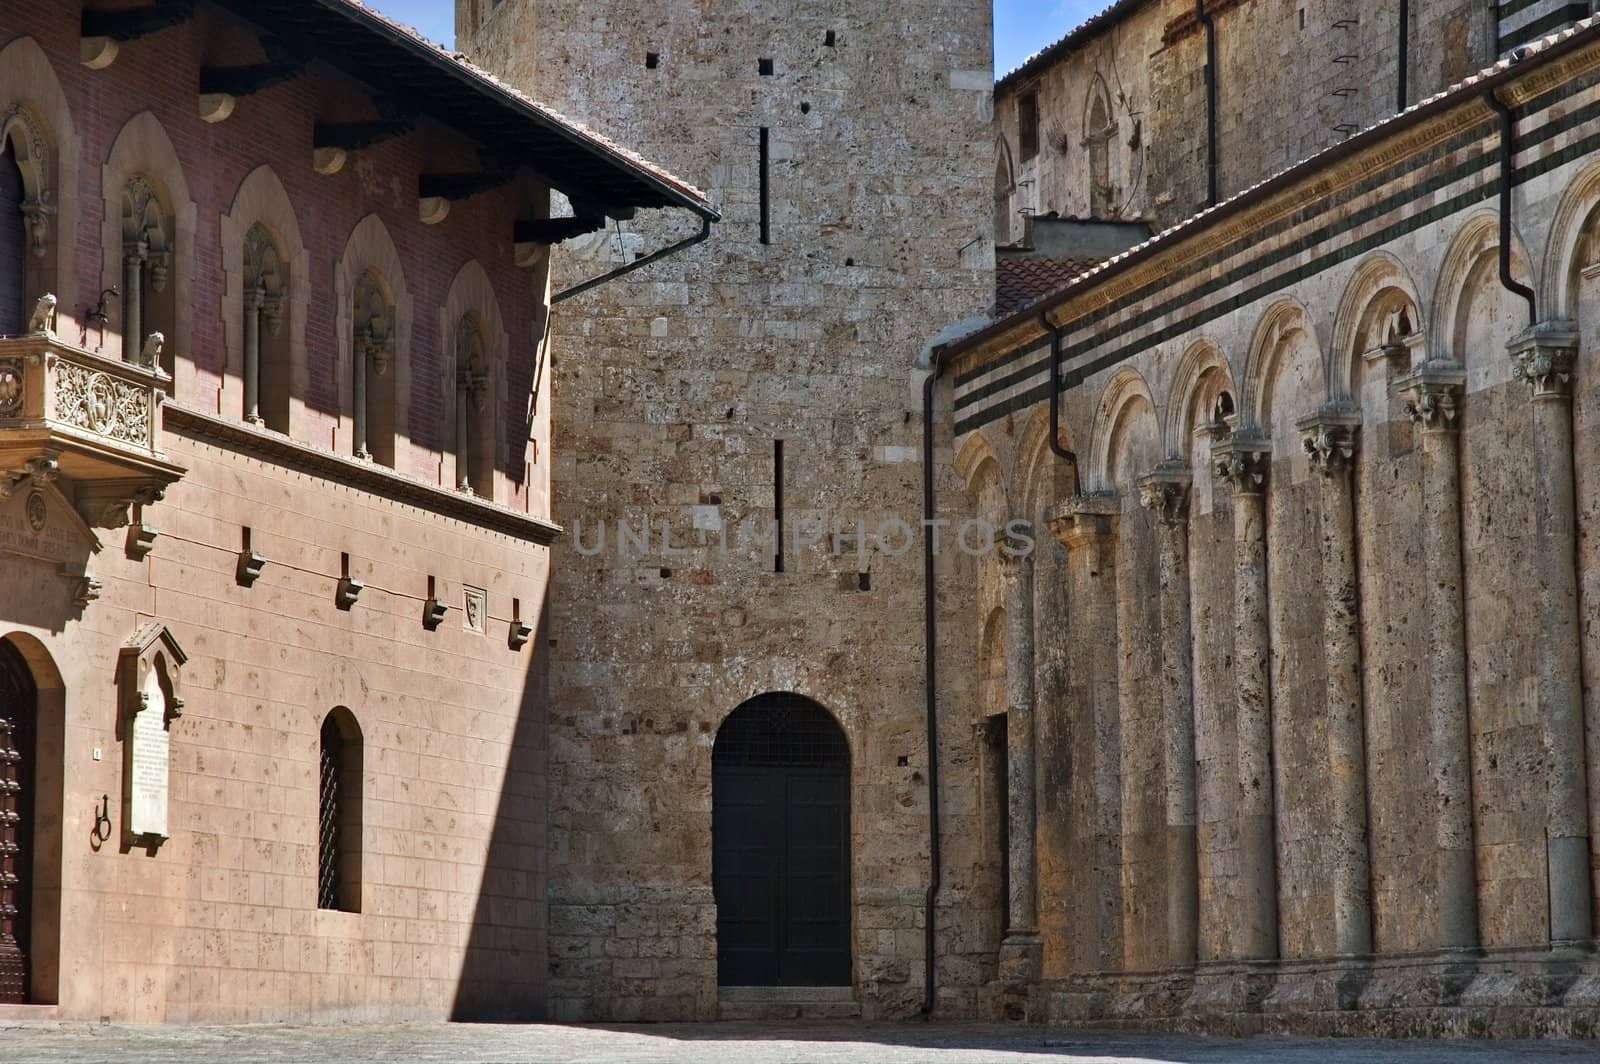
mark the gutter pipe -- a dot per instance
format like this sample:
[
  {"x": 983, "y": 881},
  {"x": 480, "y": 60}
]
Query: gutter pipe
[
  {"x": 1508, "y": 132},
  {"x": 930, "y": 672},
  {"x": 1211, "y": 100}
]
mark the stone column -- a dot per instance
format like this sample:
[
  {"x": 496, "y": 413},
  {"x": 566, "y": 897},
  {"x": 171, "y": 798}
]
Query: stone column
[
  {"x": 1086, "y": 526},
  {"x": 132, "y": 304},
  {"x": 1243, "y": 462},
  {"x": 358, "y": 393},
  {"x": 252, "y": 354},
  {"x": 1544, "y": 358},
  {"x": 1434, "y": 388},
  {"x": 1166, "y": 491},
  {"x": 463, "y": 464},
  {"x": 1330, "y": 437},
  {"x": 1022, "y": 951}
]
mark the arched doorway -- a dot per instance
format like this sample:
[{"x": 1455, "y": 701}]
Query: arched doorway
[
  {"x": 19, "y": 704},
  {"x": 780, "y": 831}
]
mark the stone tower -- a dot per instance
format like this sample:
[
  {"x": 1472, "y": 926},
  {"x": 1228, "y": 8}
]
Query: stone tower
[{"x": 769, "y": 372}]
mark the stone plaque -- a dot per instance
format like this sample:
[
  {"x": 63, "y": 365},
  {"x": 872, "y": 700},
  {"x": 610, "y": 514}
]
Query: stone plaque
[
  {"x": 150, "y": 666},
  {"x": 148, "y": 763},
  {"x": 475, "y": 611}
]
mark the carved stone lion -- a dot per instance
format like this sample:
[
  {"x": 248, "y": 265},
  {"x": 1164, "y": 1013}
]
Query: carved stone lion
[{"x": 44, "y": 314}]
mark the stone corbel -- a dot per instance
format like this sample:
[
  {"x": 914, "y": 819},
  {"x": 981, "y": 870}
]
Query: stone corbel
[
  {"x": 1544, "y": 356},
  {"x": 85, "y": 588},
  {"x": 36, "y": 473},
  {"x": 431, "y": 210},
  {"x": 1086, "y": 521},
  {"x": 36, "y": 214},
  {"x": 1434, "y": 394},
  {"x": 433, "y": 611},
  {"x": 108, "y": 504},
  {"x": 1329, "y": 436},
  {"x": 141, "y": 539},
  {"x": 1165, "y": 490}
]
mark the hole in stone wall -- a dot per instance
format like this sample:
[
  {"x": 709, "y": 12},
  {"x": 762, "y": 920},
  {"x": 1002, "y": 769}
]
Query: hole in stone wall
[
  {"x": 805, "y": 108},
  {"x": 903, "y": 761},
  {"x": 765, "y": 67},
  {"x": 828, "y": 39},
  {"x": 864, "y": 581},
  {"x": 651, "y": 60},
  {"x": 777, "y": 505},
  {"x": 666, "y": 574},
  {"x": 849, "y": 262}
]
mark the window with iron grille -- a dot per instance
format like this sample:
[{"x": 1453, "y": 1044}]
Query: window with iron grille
[{"x": 339, "y": 814}]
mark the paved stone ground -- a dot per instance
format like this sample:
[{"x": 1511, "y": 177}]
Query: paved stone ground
[{"x": 728, "y": 1043}]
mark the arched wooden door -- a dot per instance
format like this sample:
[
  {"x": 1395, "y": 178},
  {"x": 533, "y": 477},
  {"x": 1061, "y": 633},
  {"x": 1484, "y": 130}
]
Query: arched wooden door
[
  {"x": 780, "y": 829},
  {"x": 18, "y": 709}
]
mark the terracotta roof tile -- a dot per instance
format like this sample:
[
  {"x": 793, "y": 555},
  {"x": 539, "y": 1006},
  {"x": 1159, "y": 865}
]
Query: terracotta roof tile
[{"x": 1020, "y": 281}]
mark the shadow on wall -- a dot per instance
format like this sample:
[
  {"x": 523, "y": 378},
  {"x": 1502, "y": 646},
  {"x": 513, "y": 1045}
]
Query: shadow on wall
[{"x": 504, "y": 970}]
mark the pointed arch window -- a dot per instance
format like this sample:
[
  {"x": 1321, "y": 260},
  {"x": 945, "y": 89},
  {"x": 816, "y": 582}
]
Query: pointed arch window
[
  {"x": 372, "y": 384},
  {"x": 147, "y": 298},
  {"x": 474, "y": 412},
  {"x": 339, "y": 813},
  {"x": 266, "y": 351},
  {"x": 1099, "y": 132},
  {"x": 13, "y": 249}
]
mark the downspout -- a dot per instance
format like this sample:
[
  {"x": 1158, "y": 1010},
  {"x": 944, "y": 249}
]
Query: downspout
[
  {"x": 1205, "y": 20},
  {"x": 1402, "y": 92},
  {"x": 930, "y": 670},
  {"x": 1508, "y": 132},
  {"x": 1055, "y": 401}
]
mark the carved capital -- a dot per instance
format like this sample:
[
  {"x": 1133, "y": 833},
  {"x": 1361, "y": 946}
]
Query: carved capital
[
  {"x": 1544, "y": 357},
  {"x": 1165, "y": 490},
  {"x": 1015, "y": 569},
  {"x": 1086, "y": 520},
  {"x": 1434, "y": 395},
  {"x": 1243, "y": 461},
  {"x": 1329, "y": 437}
]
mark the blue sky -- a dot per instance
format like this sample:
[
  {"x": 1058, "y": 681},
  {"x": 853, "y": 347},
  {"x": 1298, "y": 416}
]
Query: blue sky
[{"x": 1021, "y": 27}]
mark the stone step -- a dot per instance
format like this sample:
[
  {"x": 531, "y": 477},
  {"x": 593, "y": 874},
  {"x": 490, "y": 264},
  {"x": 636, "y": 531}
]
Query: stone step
[
  {"x": 788, "y": 1003},
  {"x": 28, "y": 1013}
]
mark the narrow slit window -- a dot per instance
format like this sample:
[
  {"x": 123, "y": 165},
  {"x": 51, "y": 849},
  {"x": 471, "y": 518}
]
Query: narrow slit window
[
  {"x": 339, "y": 814},
  {"x": 777, "y": 506},
  {"x": 651, "y": 60},
  {"x": 766, "y": 183},
  {"x": 765, "y": 67}
]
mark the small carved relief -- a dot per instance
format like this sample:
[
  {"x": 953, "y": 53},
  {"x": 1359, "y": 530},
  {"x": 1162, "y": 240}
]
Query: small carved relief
[
  {"x": 475, "y": 603},
  {"x": 38, "y": 512},
  {"x": 374, "y": 323},
  {"x": 264, "y": 276},
  {"x": 11, "y": 388},
  {"x": 43, "y": 318}
]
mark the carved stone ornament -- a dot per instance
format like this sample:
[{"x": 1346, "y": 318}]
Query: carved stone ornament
[
  {"x": 1434, "y": 389},
  {"x": 1329, "y": 437},
  {"x": 1544, "y": 357},
  {"x": 1244, "y": 463},
  {"x": 521, "y": 632},
  {"x": 43, "y": 318},
  {"x": 35, "y": 165},
  {"x": 92, "y": 400},
  {"x": 11, "y": 381},
  {"x": 475, "y": 603},
  {"x": 1165, "y": 491},
  {"x": 374, "y": 323},
  {"x": 264, "y": 275},
  {"x": 36, "y": 473},
  {"x": 145, "y": 229},
  {"x": 37, "y": 510}
]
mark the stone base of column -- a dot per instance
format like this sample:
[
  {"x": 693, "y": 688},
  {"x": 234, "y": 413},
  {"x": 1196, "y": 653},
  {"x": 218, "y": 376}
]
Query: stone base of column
[
  {"x": 1021, "y": 957},
  {"x": 1513, "y": 993},
  {"x": 1570, "y": 920}
]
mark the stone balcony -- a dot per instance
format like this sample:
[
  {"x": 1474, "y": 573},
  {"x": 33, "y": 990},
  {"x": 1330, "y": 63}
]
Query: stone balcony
[{"x": 84, "y": 423}]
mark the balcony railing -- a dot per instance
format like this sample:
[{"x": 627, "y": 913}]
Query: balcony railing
[{"x": 82, "y": 420}]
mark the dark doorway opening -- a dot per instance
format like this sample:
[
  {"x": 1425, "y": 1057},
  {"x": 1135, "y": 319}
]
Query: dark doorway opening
[
  {"x": 18, "y": 710},
  {"x": 780, "y": 831}
]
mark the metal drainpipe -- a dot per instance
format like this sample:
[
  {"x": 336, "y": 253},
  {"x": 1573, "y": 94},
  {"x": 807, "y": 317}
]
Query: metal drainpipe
[
  {"x": 1402, "y": 92},
  {"x": 1055, "y": 401},
  {"x": 1508, "y": 131},
  {"x": 1211, "y": 100},
  {"x": 930, "y": 648}
]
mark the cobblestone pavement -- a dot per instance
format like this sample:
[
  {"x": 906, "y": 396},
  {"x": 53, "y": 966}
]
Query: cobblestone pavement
[{"x": 728, "y": 1043}]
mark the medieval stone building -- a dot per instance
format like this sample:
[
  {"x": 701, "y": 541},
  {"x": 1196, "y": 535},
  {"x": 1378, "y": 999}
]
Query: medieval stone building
[
  {"x": 274, "y": 512},
  {"x": 1281, "y": 725}
]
